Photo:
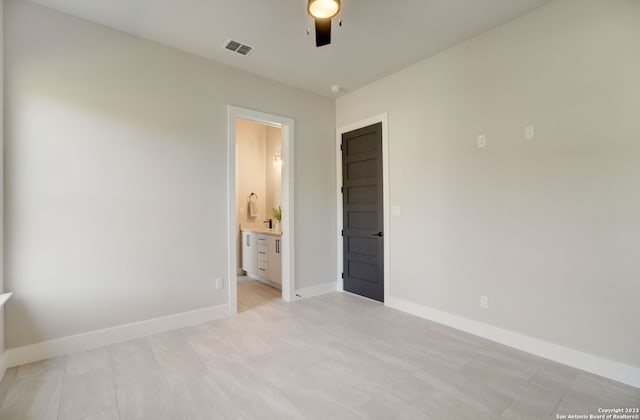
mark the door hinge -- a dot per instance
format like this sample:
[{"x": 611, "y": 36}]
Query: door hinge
[
  {"x": 342, "y": 190},
  {"x": 340, "y": 146},
  {"x": 342, "y": 275},
  {"x": 342, "y": 233}
]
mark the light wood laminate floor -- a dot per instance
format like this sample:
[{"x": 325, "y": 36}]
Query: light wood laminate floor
[{"x": 331, "y": 357}]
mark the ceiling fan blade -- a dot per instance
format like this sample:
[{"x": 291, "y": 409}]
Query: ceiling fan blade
[{"x": 323, "y": 32}]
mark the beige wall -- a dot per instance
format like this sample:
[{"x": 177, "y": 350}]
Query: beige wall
[
  {"x": 274, "y": 172},
  {"x": 251, "y": 148},
  {"x": 256, "y": 146},
  {"x": 116, "y": 153},
  {"x": 549, "y": 229}
]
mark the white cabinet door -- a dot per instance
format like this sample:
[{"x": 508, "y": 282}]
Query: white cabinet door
[
  {"x": 275, "y": 259},
  {"x": 250, "y": 253}
]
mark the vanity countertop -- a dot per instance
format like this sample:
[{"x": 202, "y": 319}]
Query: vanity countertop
[{"x": 263, "y": 230}]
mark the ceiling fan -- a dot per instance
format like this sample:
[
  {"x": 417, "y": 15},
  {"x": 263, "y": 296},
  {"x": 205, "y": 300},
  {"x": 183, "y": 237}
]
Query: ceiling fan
[{"x": 322, "y": 11}]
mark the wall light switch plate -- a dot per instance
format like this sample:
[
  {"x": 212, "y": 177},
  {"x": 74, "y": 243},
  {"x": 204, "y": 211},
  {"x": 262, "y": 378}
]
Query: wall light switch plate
[
  {"x": 482, "y": 140},
  {"x": 484, "y": 302},
  {"x": 529, "y": 132},
  {"x": 219, "y": 283},
  {"x": 396, "y": 211}
]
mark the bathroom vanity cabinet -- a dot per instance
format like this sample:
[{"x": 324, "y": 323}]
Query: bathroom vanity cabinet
[{"x": 262, "y": 255}]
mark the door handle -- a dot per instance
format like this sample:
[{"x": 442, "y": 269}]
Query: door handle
[{"x": 379, "y": 234}]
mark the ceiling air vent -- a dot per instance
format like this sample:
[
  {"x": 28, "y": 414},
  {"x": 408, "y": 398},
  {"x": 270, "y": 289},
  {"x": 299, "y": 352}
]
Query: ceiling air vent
[{"x": 238, "y": 47}]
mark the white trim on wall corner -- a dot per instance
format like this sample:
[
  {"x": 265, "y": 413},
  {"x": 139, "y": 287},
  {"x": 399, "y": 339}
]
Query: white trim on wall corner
[
  {"x": 317, "y": 290},
  {"x": 588, "y": 362},
  {"x": 100, "y": 338},
  {"x": 4, "y": 298}
]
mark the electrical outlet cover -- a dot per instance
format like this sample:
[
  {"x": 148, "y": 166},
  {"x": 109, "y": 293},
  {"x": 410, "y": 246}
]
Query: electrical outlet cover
[{"x": 529, "y": 132}]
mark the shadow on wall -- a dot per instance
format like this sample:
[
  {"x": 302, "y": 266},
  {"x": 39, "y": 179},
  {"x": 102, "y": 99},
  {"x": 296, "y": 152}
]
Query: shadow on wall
[{"x": 112, "y": 182}]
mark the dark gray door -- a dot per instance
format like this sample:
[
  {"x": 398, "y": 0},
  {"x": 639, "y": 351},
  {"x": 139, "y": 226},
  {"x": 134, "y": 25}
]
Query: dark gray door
[{"x": 362, "y": 212}]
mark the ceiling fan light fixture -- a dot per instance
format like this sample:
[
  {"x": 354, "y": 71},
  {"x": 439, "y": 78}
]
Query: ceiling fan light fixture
[{"x": 323, "y": 9}]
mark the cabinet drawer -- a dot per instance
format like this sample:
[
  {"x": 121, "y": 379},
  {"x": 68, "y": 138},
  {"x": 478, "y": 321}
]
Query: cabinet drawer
[
  {"x": 263, "y": 266},
  {"x": 263, "y": 256},
  {"x": 262, "y": 239}
]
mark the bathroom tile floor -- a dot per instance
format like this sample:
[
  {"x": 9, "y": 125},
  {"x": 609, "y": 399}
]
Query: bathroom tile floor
[
  {"x": 335, "y": 356},
  {"x": 252, "y": 293}
]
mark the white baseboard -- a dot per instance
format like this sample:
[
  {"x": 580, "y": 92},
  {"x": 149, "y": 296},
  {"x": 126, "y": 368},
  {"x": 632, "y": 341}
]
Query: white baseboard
[
  {"x": 316, "y": 290},
  {"x": 94, "y": 339},
  {"x": 617, "y": 371}
]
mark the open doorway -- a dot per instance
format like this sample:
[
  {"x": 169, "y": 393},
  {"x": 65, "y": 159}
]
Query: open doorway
[
  {"x": 258, "y": 213},
  {"x": 260, "y": 229}
]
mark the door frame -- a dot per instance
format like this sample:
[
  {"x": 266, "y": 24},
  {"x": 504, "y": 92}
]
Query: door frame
[
  {"x": 288, "y": 247},
  {"x": 384, "y": 119}
]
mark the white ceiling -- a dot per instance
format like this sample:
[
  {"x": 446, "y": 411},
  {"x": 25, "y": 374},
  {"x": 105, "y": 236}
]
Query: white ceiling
[{"x": 378, "y": 37}]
